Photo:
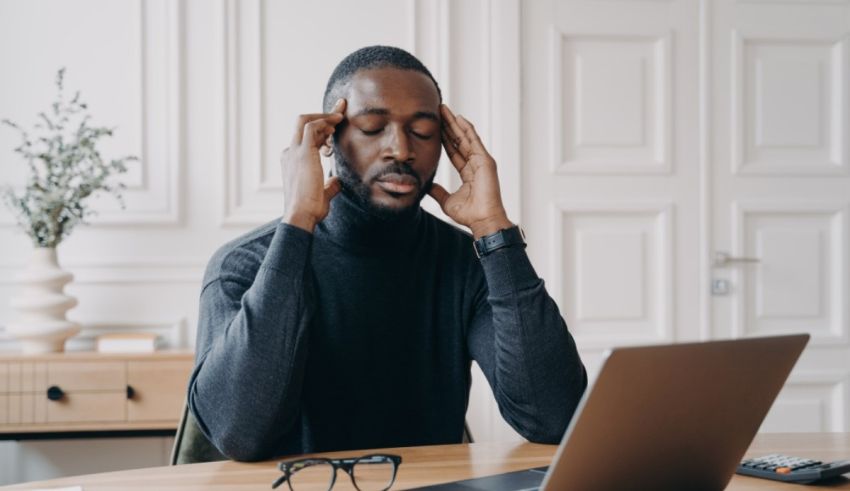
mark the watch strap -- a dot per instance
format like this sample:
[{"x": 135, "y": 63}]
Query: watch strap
[{"x": 503, "y": 238}]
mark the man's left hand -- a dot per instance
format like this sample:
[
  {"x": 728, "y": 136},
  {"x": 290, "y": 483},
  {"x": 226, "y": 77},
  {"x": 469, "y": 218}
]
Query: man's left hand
[{"x": 478, "y": 202}]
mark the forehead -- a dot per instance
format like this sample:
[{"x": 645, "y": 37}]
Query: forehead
[{"x": 399, "y": 91}]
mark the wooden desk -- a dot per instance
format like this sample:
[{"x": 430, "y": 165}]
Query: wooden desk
[{"x": 428, "y": 465}]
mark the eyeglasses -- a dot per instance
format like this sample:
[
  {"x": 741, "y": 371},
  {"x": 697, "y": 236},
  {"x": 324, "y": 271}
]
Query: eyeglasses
[{"x": 375, "y": 472}]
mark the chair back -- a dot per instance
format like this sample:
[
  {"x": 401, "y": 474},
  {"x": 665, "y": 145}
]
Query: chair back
[{"x": 190, "y": 444}]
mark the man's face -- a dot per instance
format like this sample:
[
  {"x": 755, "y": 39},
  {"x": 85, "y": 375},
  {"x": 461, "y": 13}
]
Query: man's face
[{"x": 388, "y": 147}]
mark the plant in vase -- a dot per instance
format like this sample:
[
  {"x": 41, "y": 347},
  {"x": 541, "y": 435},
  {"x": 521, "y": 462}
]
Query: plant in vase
[{"x": 65, "y": 170}]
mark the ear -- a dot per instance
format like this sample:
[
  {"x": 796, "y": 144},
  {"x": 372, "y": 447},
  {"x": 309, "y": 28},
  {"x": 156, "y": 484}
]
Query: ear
[{"x": 328, "y": 147}]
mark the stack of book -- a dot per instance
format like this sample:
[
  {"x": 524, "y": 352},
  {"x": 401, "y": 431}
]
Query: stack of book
[{"x": 127, "y": 342}]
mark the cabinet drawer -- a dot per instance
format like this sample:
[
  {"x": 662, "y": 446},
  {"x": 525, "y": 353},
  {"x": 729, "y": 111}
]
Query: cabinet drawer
[
  {"x": 159, "y": 389},
  {"x": 88, "y": 407},
  {"x": 98, "y": 375},
  {"x": 4, "y": 409},
  {"x": 4, "y": 378}
]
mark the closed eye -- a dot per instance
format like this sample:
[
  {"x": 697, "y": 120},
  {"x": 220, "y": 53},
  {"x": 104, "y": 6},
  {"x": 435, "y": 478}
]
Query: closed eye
[{"x": 371, "y": 132}]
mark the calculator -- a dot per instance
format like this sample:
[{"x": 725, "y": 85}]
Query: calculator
[{"x": 792, "y": 469}]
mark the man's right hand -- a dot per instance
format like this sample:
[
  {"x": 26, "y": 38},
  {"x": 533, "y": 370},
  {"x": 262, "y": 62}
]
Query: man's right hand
[{"x": 306, "y": 194}]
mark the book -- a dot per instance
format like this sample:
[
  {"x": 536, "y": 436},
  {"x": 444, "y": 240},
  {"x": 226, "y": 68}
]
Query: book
[{"x": 129, "y": 342}]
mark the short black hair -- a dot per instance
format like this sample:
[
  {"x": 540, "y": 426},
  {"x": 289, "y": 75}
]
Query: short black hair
[{"x": 368, "y": 58}]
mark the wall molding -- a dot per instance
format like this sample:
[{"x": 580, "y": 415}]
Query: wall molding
[
  {"x": 120, "y": 270},
  {"x": 154, "y": 197},
  {"x": 174, "y": 333}
]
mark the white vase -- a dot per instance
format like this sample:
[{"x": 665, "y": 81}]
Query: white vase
[{"x": 40, "y": 325}]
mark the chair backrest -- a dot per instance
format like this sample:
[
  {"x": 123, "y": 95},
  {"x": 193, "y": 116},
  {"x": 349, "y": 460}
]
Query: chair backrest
[
  {"x": 467, "y": 435},
  {"x": 191, "y": 446}
]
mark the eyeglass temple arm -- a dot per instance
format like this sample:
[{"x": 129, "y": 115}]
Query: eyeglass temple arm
[{"x": 280, "y": 480}]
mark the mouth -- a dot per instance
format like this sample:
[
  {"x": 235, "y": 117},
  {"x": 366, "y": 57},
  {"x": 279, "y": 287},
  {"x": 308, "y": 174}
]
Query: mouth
[{"x": 398, "y": 184}]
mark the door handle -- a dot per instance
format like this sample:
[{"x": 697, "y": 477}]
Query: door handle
[{"x": 724, "y": 259}]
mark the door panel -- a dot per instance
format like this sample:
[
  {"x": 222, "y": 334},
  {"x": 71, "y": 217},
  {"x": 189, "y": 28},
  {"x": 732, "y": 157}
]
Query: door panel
[{"x": 619, "y": 263}]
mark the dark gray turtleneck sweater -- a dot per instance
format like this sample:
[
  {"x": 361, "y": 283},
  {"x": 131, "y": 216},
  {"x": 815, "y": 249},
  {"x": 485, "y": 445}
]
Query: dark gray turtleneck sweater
[{"x": 361, "y": 335}]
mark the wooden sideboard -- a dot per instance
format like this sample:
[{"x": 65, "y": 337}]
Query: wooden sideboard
[{"x": 77, "y": 393}]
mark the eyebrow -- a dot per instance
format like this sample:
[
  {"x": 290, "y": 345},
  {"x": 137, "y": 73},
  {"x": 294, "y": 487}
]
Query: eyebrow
[{"x": 386, "y": 112}]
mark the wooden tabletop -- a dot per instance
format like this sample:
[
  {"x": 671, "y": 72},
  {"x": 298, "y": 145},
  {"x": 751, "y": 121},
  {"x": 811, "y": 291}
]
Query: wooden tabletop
[{"x": 429, "y": 465}]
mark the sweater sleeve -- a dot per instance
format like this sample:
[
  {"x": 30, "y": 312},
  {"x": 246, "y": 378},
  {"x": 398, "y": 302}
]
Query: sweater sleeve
[
  {"x": 251, "y": 348},
  {"x": 519, "y": 339}
]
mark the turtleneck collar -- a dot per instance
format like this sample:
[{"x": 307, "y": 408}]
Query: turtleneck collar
[{"x": 352, "y": 226}]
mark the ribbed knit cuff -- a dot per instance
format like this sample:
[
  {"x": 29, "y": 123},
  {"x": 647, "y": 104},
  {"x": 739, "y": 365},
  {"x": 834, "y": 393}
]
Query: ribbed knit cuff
[
  {"x": 289, "y": 250},
  {"x": 508, "y": 270}
]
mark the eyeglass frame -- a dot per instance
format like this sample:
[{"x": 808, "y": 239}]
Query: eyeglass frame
[{"x": 346, "y": 464}]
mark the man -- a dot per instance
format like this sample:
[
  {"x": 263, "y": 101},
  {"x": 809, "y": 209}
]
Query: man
[{"x": 353, "y": 321}]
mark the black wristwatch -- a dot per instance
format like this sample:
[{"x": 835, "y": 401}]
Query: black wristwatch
[{"x": 503, "y": 238}]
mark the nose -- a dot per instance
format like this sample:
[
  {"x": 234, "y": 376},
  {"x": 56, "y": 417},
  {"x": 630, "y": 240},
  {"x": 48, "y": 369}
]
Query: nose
[{"x": 398, "y": 145}]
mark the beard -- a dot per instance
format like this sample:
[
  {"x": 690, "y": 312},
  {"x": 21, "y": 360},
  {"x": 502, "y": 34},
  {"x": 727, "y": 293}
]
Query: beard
[{"x": 360, "y": 191}]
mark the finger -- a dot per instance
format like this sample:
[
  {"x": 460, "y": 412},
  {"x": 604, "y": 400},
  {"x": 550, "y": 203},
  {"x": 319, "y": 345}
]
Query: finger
[
  {"x": 333, "y": 118},
  {"x": 448, "y": 117},
  {"x": 339, "y": 107},
  {"x": 450, "y": 122},
  {"x": 456, "y": 133},
  {"x": 316, "y": 132},
  {"x": 450, "y": 137},
  {"x": 455, "y": 157},
  {"x": 471, "y": 135},
  {"x": 332, "y": 188},
  {"x": 439, "y": 194},
  {"x": 300, "y": 122}
]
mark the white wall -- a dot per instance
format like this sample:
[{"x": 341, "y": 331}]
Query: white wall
[{"x": 206, "y": 93}]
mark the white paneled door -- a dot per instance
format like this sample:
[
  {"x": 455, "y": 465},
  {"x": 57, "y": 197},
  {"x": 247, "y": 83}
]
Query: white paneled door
[
  {"x": 685, "y": 176},
  {"x": 781, "y": 193}
]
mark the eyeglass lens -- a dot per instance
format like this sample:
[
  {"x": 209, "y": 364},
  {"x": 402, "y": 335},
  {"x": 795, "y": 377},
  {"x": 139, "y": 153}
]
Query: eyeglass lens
[
  {"x": 373, "y": 473},
  {"x": 318, "y": 475}
]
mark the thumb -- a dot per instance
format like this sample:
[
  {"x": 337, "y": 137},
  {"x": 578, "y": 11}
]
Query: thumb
[
  {"x": 332, "y": 188},
  {"x": 439, "y": 194}
]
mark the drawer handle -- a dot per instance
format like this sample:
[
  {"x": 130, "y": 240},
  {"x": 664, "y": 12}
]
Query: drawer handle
[
  {"x": 130, "y": 392},
  {"x": 54, "y": 393}
]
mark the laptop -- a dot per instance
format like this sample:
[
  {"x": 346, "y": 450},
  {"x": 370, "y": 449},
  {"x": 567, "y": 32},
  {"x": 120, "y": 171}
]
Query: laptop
[{"x": 669, "y": 417}]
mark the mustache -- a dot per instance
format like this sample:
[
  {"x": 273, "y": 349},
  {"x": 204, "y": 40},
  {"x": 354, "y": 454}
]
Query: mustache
[{"x": 398, "y": 168}]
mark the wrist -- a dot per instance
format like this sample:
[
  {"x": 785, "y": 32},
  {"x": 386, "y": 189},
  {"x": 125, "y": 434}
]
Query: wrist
[
  {"x": 304, "y": 222},
  {"x": 509, "y": 237},
  {"x": 490, "y": 226}
]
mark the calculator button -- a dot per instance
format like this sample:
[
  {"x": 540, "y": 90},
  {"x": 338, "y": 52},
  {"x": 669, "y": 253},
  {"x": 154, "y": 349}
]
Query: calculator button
[{"x": 783, "y": 470}]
